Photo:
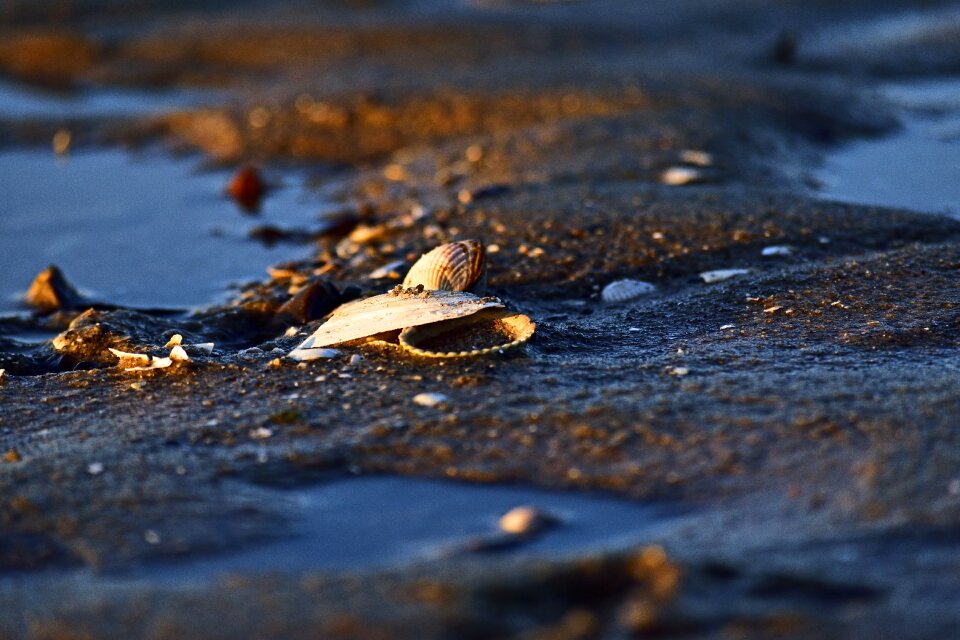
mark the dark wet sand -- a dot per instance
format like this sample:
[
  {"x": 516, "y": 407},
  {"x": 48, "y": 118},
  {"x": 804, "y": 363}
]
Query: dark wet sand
[{"x": 816, "y": 437}]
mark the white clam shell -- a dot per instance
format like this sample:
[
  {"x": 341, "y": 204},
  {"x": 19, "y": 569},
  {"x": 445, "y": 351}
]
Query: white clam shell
[
  {"x": 722, "y": 274},
  {"x": 456, "y": 266},
  {"x": 624, "y": 290},
  {"x": 395, "y": 310}
]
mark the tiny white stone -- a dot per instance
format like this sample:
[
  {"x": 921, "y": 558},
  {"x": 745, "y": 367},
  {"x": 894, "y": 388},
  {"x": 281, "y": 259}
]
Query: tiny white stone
[
  {"x": 678, "y": 176},
  {"x": 355, "y": 359},
  {"x": 151, "y": 536},
  {"x": 954, "y": 487},
  {"x": 290, "y": 332},
  {"x": 777, "y": 251},
  {"x": 260, "y": 433},
  {"x": 525, "y": 520},
  {"x": 95, "y": 468},
  {"x": 678, "y": 371},
  {"x": 727, "y": 326},
  {"x": 430, "y": 399},
  {"x": 722, "y": 274},
  {"x": 694, "y": 156}
]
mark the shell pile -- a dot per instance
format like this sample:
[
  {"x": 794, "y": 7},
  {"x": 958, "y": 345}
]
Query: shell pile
[
  {"x": 457, "y": 266},
  {"x": 436, "y": 317}
]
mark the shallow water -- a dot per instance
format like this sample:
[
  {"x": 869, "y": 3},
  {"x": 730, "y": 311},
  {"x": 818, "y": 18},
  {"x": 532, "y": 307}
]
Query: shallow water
[
  {"x": 917, "y": 167},
  {"x": 30, "y": 103},
  {"x": 382, "y": 521},
  {"x": 143, "y": 230}
]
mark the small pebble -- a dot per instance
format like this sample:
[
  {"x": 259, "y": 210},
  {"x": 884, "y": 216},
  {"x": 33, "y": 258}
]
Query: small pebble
[
  {"x": 151, "y": 536},
  {"x": 430, "y": 399},
  {"x": 61, "y": 142},
  {"x": 260, "y": 433},
  {"x": 525, "y": 521},
  {"x": 699, "y": 158},
  {"x": 678, "y": 176},
  {"x": 778, "y": 251},
  {"x": 678, "y": 371},
  {"x": 95, "y": 468}
]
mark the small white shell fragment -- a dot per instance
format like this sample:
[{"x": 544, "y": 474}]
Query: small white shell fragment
[
  {"x": 177, "y": 354},
  {"x": 722, "y": 274},
  {"x": 773, "y": 309},
  {"x": 678, "y": 371},
  {"x": 202, "y": 347},
  {"x": 526, "y": 520},
  {"x": 306, "y": 355},
  {"x": 678, "y": 176},
  {"x": 430, "y": 399},
  {"x": 780, "y": 250},
  {"x": 624, "y": 290},
  {"x": 290, "y": 332},
  {"x": 260, "y": 433},
  {"x": 398, "y": 309},
  {"x": 95, "y": 468},
  {"x": 694, "y": 156},
  {"x": 389, "y": 270},
  {"x": 728, "y": 326},
  {"x": 175, "y": 340}
]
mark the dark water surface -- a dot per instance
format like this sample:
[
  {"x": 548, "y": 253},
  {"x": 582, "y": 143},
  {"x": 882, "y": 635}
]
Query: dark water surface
[
  {"x": 380, "y": 521},
  {"x": 135, "y": 230},
  {"x": 377, "y": 522},
  {"x": 30, "y": 103},
  {"x": 917, "y": 167}
]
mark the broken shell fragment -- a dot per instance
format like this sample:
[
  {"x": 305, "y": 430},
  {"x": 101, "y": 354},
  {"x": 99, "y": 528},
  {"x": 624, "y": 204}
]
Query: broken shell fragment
[
  {"x": 722, "y": 274},
  {"x": 306, "y": 355},
  {"x": 456, "y": 266},
  {"x": 489, "y": 331},
  {"x": 624, "y": 290},
  {"x": 696, "y": 157},
  {"x": 395, "y": 310}
]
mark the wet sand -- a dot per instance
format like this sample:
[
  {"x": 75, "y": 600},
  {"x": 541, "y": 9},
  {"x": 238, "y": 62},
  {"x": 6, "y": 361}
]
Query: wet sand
[{"x": 803, "y": 415}]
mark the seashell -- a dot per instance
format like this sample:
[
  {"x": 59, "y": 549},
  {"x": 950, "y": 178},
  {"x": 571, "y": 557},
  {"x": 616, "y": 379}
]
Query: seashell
[
  {"x": 395, "y": 310},
  {"x": 722, "y": 274},
  {"x": 489, "y": 331},
  {"x": 457, "y": 266},
  {"x": 624, "y": 290}
]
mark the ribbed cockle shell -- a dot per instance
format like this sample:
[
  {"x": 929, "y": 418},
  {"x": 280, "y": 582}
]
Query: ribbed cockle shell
[{"x": 457, "y": 266}]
